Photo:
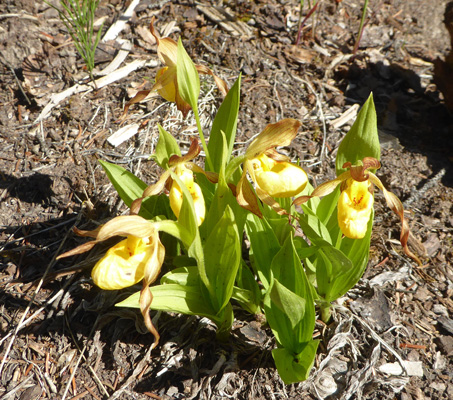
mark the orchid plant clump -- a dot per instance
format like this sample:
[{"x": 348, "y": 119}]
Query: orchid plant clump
[{"x": 308, "y": 246}]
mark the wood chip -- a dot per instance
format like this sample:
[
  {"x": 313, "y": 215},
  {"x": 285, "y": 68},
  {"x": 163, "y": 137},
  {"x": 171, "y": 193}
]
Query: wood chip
[{"x": 123, "y": 134}]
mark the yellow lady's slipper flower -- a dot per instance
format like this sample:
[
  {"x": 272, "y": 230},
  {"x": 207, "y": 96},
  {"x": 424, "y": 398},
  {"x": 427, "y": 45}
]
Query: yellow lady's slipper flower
[
  {"x": 137, "y": 258},
  {"x": 354, "y": 208},
  {"x": 272, "y": 173},
  {"x": 356, "y": 200},
  {"x": 278, "y": 178},
  {"x": 125, "y": 263},
  {"x": 176, "y": 196},
  {"x": 183, "y": 167},
  {"x": 166, "y": 83}
]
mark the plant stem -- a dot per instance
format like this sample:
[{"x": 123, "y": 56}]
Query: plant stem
[
  {"x": 232, "y": 166},
  {"x": 325, "y": 312},
  {"x": 203, "y": 141},
  {"x": 362, "y": 25},
  {"x": 299, "y": 33}
]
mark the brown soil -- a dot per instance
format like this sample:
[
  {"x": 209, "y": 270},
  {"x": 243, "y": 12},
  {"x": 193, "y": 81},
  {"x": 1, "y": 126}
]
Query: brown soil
[{"x": 77, "y": 344}]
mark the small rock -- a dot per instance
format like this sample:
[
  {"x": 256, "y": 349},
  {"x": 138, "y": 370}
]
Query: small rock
[
  {"x": 446, "y": 323},
  {"x": 439, "y": 386},
  {"x": 446, "y": 345},
  {"x": 423, "y": 294}
]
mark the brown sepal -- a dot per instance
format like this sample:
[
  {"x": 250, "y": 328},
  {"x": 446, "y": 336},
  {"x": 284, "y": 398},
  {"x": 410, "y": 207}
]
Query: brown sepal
[
  {"x": 92, "y": 234},
  {"x": 141, "y": 95},
  {"x": 83, "y": 248},
  {"x": 301, "y": 200},
  {"x": 135, "y": 206}
]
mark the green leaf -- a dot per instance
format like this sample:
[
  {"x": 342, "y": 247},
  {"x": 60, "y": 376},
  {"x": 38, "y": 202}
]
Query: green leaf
[
  {"x": 288, "y": 271},
  {"x": 288, "y": 302},
  {"x": 246, "y": 299},
  {"x": 175, "y": 229},
  {"x": 225, "y": 121},
  {"x": 292, "y": 367},
  {"x": 264, "y": 246},
  {"x": 222, "y": 255},
  {"x": 331, "y": 264},
  {"x": 328, "y": 206},
  {"x": 339, "y": 270},
  {"x": 128, "y": 186},
  {"x": 156, "y": 206},
  {"x": 362, "y": 140},
  {"x": 187, "y": 76},
  {"x": 184, "y": 276},
  {"x": 313, "y": 227},
  {"x": 165, "y": 148},
  {"x": 245, "y": 281},
  {"x": 175, "y": 298},
  {"x": 357, "y": 250}
]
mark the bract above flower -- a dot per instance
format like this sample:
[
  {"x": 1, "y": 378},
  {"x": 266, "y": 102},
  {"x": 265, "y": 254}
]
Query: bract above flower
[
  {"x": 272, "y": 173},
  {"x": 356, "y": 200},
  {"x": 166, "y": 83}
]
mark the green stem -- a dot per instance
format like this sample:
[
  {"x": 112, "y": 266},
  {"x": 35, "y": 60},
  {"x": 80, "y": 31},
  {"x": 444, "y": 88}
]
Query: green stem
[
  {"x": 203, "y": 141},
  {"x": 362, "y": 23},
  {"x": 232, "y": 166},
  {"x": 325, "y": 312}
]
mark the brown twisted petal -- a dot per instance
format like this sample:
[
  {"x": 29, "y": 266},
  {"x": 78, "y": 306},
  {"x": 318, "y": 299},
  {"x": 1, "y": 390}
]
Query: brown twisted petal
[
  {"x": 270, "y": 201},
  {"x": 151, "y": 273},
  {"x": 221, "y": 84},
  {"x": 276, "y": 156},
  {"x": 140, "y": 96},
  {"x": 151, "y": 190},
  {"x": 146, "y": 298},
  {"x": 301, "y": 200},
  {"x": 167, "y": 48},
  {"x": 158, "y": 187},
  {"x": 396, "y": 206},
  {"x": 324, "y": 189},
  {"x": 212, "y": 176},
  {"x": 83, "y": 248},
  {"x": 193, "y": 152},
  {"x": 359, "y": 172},
  {"x": 93, "y": 233},
  {"x": 245, "y": 196}
]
